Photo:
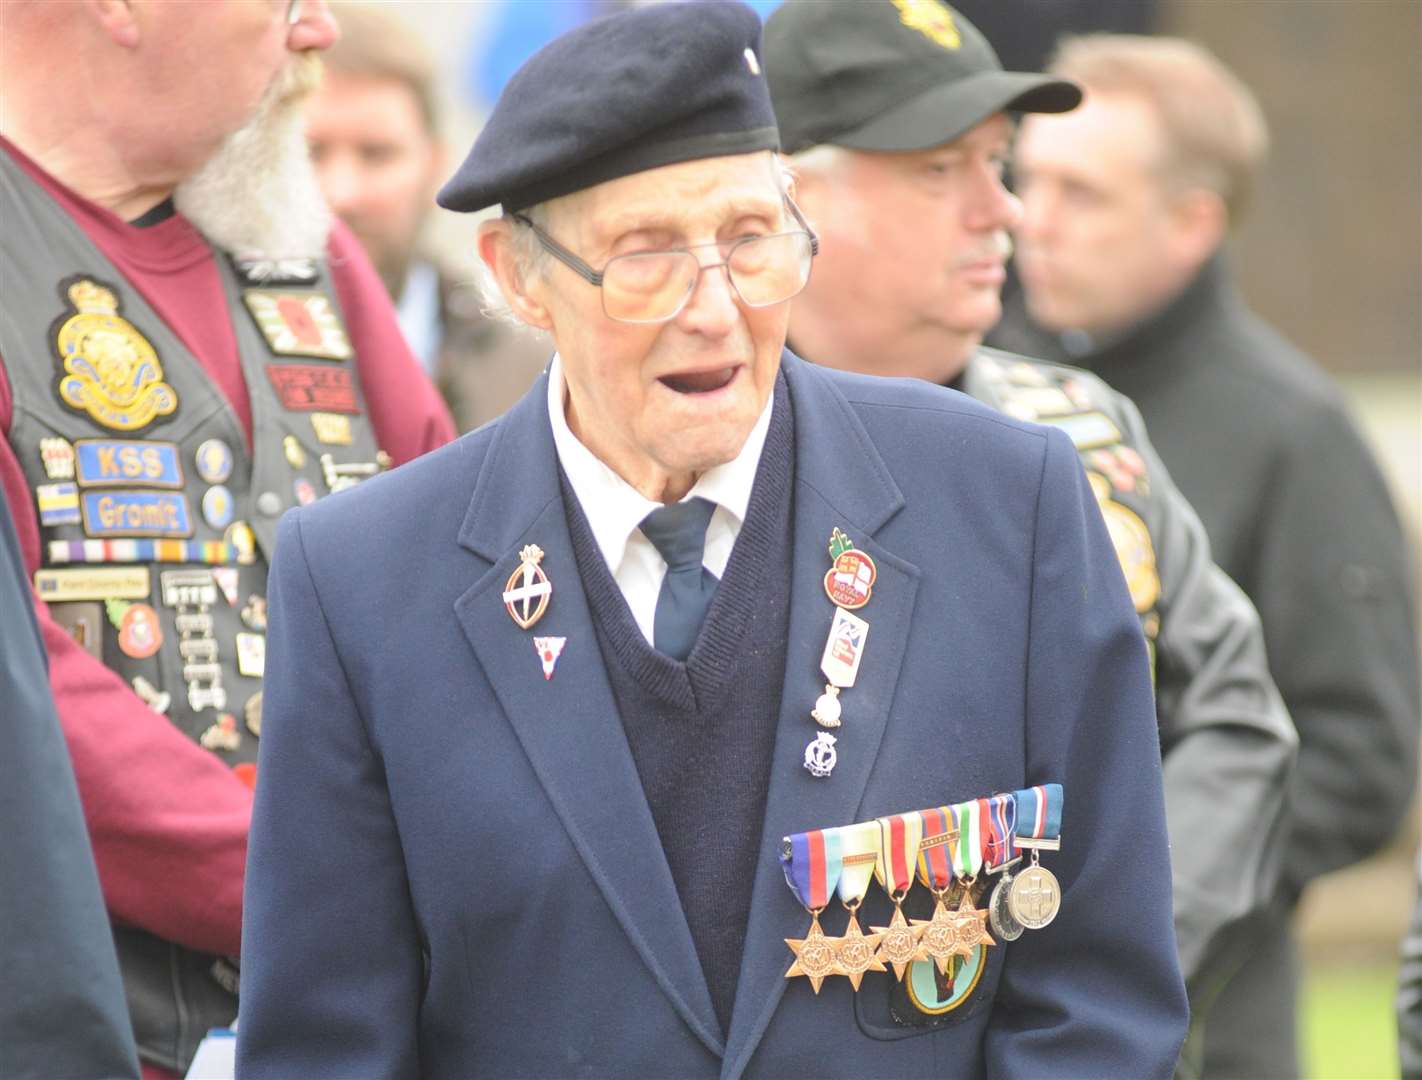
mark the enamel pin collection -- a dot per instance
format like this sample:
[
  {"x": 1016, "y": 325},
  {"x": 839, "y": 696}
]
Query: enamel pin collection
[
  {"x": 945, "y": 849},
  {"x": 849, "y": 583},
  {"x": 526, "y": 596}
]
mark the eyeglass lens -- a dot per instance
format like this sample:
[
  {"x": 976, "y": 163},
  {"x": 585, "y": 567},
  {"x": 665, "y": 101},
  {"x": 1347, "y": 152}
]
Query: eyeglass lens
[{"x": 653, "y": 286}]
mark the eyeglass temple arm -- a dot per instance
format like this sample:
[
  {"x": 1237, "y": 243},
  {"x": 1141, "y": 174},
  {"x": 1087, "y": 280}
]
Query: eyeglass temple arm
[
  {"x": 800, "y": 218},
  {"x": 561, "y": 253}
]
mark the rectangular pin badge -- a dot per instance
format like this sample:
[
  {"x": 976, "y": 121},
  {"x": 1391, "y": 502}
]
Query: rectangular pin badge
[
  {"x": 119, "y": 462},
  {"x": 1087, "y": 430},
  {"x": 309, "y": 388},
  {"x": 136, "y": 513},
  {"x": 94, "y": 583}
]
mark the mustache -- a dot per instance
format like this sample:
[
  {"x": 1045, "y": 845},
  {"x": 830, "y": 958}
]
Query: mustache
[
  {"x": 997, "y": 248},
  {"x": 297, "y": 79}
]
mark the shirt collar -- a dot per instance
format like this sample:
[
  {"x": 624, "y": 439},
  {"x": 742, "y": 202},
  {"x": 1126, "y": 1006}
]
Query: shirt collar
[{"x": 613, "y": 507}]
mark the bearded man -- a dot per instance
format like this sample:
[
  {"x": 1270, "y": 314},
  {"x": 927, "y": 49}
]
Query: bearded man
[{"x": 187, "y": 348}]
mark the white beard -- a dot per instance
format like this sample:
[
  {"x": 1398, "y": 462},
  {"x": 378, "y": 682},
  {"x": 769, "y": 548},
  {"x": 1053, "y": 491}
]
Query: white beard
[{"x": 258, "y": 196}]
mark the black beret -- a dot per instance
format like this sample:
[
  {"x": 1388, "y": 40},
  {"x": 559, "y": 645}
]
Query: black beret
[
  {"x": 646, "y": 87},
  {"x": 876, "y": 75}
]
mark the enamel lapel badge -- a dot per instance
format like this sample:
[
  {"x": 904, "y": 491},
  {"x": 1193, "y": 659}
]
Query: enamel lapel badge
[{"x": 527, "y": 591}]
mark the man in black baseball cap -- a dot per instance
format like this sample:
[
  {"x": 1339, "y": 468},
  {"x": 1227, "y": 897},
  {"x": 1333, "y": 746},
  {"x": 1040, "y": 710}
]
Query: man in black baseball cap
[
  {"x": 899, "y": 118},
  {"x": 547, "y": 706},
  {"x": 891, "y": 75}
]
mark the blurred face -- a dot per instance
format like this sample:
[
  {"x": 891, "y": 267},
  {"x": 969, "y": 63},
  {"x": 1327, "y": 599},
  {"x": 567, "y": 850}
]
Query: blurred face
[
  {"x": 913, "y": 247},
  {"x": 1100, "y": 244},
  {"x": 662, "y": 403},
  {"x": 377, "y": 163}
]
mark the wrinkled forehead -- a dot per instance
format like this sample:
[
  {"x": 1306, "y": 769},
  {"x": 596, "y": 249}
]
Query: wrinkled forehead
[{"x": 689, "y": 198}]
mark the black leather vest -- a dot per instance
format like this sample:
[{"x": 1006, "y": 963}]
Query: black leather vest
[{"x": 156, "y": 522}]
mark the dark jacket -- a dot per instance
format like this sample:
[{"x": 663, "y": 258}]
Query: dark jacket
[
  {"x": 477, "y": 886},
  {"x": 1259, "y": 440},
  {"x": 62, "y": 1009}
]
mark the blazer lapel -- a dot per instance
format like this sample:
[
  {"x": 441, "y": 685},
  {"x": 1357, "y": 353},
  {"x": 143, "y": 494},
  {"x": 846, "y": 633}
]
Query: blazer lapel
[
  {"x": 840, "y": 480},
  {"x": 569, "y": 726}
]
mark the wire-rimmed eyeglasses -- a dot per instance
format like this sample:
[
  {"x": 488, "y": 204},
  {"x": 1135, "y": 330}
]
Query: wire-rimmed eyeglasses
[{"x": 654, "y": 286}]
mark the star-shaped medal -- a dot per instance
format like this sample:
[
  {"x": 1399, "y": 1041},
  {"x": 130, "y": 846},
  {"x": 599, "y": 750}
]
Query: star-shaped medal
[
  {"x": 941, "y": 938},
  {"x": 814, "y": 955},
  {"x": 855, "y": 953},
  {"x": 972, "y": 926},
  {"x": 898, "y": 943}
]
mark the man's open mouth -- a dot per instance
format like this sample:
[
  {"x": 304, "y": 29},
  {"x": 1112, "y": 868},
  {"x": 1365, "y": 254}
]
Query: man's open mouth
[{"x": 699, "y": 382}]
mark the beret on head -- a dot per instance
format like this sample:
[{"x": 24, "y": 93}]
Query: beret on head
[{"x": 643, "y": 88}]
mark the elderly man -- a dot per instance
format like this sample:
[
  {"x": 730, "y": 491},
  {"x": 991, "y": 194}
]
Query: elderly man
[
  {"x": 1128, "y": 203},
  {"x": 180, "y": 365},
  {"x": 552, "y": 709},
  {"x": 903, "y": 182},
  {"x": 374, "y": 134}
]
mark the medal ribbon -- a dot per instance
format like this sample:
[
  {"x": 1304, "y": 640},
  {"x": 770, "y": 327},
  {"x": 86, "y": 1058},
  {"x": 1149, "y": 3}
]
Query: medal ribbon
[
  {"x": 899, "y": 835},
  {"x": 999, "y": 823},
  {"x": 812, "y": 865},
  {"x": 1039, "y": 811},
  {"x": 935, "y": 866},
  {"x": 859, "y": 854},
  {"x": 968, "y": 851}
]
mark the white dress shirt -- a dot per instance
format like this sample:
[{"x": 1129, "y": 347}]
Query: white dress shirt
[{"x": 615, "y": 509}]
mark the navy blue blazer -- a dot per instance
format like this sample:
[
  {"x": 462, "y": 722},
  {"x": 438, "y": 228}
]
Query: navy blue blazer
[{"x": 454, "y": 872}]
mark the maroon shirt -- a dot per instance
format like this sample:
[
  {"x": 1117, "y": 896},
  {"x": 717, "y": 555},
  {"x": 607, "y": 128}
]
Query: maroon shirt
[{"x": 167, "y": 819}]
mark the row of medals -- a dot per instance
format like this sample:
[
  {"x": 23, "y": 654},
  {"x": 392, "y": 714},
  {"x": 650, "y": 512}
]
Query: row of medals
[{"x": 1028, "y": 900}]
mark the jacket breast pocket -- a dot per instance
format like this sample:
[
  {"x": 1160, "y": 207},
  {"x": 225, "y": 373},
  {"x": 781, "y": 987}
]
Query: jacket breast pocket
[{"x": 927, "y": 1000}]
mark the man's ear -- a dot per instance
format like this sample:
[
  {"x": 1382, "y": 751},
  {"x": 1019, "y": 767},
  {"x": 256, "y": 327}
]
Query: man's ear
[
  {"x": 497, "y": 249},
  {"x": 1201, "y": 222},
  {"x": 118, "y": 19}
]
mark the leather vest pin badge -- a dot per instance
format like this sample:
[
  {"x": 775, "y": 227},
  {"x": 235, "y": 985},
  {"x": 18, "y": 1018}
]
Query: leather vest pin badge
[
  {"x": 139, "y": 633},
  {"x": 299, "y": 323},
  {"x": 549, "y": 649},
  {"x": 58, "y": 457},
  {"x": 111, "y": 371},
  {"x": 527, "y": 591}
]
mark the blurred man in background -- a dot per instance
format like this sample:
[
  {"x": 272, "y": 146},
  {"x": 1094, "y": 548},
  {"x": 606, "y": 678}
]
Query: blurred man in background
[
  {"x": 188, "y": 348},
  {"x": 374, "y": 133},
  {"x": 1128, "y": 204},
  {"x": 902, "y": 179}
]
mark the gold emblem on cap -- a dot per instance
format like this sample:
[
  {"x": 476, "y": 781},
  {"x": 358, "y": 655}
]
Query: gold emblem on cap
[
  {"x": 111, "y": 371},
  {"x": 932, "y": 19}
]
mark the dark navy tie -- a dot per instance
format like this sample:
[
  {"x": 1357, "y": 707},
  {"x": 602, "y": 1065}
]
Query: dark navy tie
[{"x": 678, "y": 532}]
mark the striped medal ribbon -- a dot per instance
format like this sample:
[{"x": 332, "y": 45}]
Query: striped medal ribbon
[
  {"x": 899, "y": 836},
  {"x": 812, "y": 864}
]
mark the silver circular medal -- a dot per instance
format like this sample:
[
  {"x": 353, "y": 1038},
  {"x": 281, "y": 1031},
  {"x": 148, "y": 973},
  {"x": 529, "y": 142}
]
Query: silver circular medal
[
  {"x": 1034, "y": 897},
  {"x": 1000, "y": 913},
  {"x": 826, "y": 712}
]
